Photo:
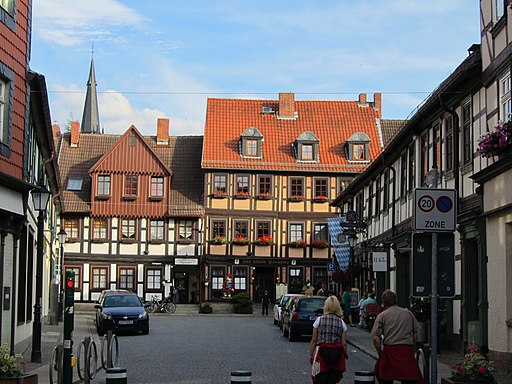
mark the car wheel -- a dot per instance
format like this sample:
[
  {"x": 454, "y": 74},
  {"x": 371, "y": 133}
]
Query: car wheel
[{"x": 291, "y": 335}]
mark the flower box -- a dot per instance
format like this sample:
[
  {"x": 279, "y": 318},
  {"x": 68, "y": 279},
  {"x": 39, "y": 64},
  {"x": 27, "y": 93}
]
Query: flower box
[
  {"x": 496, "y": 142},
  {"x": 219, "y": 194},
  {"x": 240, "y": 240},
  {"x": 298, "y": 244},
  {"x": 218, "y": 240},
  {"x": 242, "y": 195},
  {"x": 264, "y": 241},
  {"x": 26, "y": 379},
  {"x": 319, "y": 244},
  {"x": 320, "y": 199},
  {"x": 296, "y": 198},
  {"x": 264, "y": 196}
]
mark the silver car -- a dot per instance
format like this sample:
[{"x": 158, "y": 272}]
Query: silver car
[{"x": 280, "y": 305}]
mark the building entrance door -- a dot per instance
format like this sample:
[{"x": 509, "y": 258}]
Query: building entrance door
[{"x": 264, "y": 280}]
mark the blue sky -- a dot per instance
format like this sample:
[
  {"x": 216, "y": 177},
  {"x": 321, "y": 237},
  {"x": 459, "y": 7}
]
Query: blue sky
[{"x": 165, "y": 58}]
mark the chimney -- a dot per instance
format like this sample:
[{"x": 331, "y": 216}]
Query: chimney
[
  {"x": 162, "y": 131},
  {"x": 56, "y": 130},
  {"x": 75, "y": 134},
  {"x": 377, "y": 103},
  {"x": 287, "y": 105},
  {"x": 362, "y": 98}
]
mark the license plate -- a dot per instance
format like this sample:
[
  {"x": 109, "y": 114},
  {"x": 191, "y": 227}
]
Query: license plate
[
  {"x": 125, "y": 322},
  {"x": 312, "y": 317}
]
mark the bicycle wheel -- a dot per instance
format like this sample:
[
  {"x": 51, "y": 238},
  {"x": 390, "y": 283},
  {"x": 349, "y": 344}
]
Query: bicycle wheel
[
  {"x": 104, "y": 345},
  {"x": 114, "y": 353},
  {"x": 152, "y": 308},
  {"x": 80, "y": 360},
  {"x": 93, "y": 360},
  {"x": 54, "y": 366},
  {"x": 170, "y": 307}
]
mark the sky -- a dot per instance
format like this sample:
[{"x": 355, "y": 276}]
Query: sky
[{"x": 165, "y": 58}]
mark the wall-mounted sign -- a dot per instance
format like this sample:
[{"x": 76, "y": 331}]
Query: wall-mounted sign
[
  {"x": 185, "y": 261},
  {"x": 380, "y": 261}
]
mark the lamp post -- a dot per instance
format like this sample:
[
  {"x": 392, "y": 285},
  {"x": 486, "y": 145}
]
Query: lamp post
[
  {"x": 61, "y": 236},
  {"x": 40, "y": 197},
  {"x": 352, "y": 241}
]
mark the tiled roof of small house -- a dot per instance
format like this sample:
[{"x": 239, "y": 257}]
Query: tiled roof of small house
[
  {"x": 332, "y": 122},
  {"x": 390, "y": 129},
  {"x": 181, "y": 155}
]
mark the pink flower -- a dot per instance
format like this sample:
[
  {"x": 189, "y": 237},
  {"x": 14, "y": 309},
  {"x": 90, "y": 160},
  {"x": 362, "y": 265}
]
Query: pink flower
[
  {"x": 482, "y": 370},
  {"x": 473, "y": 348}
]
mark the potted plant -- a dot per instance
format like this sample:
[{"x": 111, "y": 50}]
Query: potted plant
[
  {"x": 242, "y": 302},
  {"x": 240, "y": 240},
  {"x": 475, "y": 368},
  {"x": 264, "y": 196},
  {"x": 296, "y": 198},
  {"x": 264, "y": 240},
  {"x": 242, "y": 195},
  {"x": 219, "y": 194},
  {"x": 298, "y": 244},
  {"x": 218, "y": 240},
  {"x": 12, "y": 368},
  {"x": 496, "y": 142},
  {"x": 205, "y": 308},
  {"x": 319, "y": 244},
  {"x": 320, "y": 199}
]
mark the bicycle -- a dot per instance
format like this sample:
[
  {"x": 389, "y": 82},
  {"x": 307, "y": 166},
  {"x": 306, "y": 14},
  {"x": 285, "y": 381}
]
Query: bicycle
[{"x": 161, "y": 305}]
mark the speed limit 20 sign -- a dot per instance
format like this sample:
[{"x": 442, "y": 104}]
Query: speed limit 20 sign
[{"x": 435, "y": 210}]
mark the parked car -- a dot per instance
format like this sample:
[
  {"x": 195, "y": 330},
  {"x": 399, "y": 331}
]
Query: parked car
[
  {"x": 299, "y": 316},
  {"x": 280, "y": 306},
  {"x": 121, "y": 311}
]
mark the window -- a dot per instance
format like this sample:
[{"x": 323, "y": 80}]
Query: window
[
  {"x": 296, "y": 187},
  {"x": 251, "y": 147},
  {"x": 360, "y": 205},
  {"x": 74, "y": 184},
  {"x": 217, "y": 281},
  {"x": 296, "y": 232},
  {"x": 6, "y": 102},
  {"x": 467, "y": 146},
  {"x": 71, "y": 226},
  {"x": 370, "y": 200},
  {"x": 240, "y": 278},
  {"x": 7, "y": 11},
  {"x": 76, "y": 280},
  {"x": 436, "y": 148},
  {"x": 262, "y": 229},
  {"x": 505, "y": 100},
  {"x": 412, "y": 168},
  {"x": 264, "y": 185},
  {"x": 320, "y": 277},
  {"x": 153, "y": 279},
  {"x": 157, "y": 230},
  {"x": 242, "y": 185},
  {"x": 218, "y": 228},
  {"x": 132, "y": 140},
  {"x": 130, "y": 185},
  {"x": 295, "y": 280},
  {"x": 448, "y": 145},
  {"x": 403, "y": 174},
  {"x": 342, "y": 184},
  {"x": 385, "y": 191},
  {"x": 320, "y": 232},
  {"x": 321, "y": 188},
  {"x": 4, "y": 110},
  {"x": 424, "y": 158},
  {"x": 377, "y": 195},
  {"x": 185, "y": 230},
  {"x": 99, "y": 278},
  {"x": 8, "y": 5},
  {"x": 126, "y": 279},
  {"x": 358, "y": 152},
  {"x": 499, "y": 9},
  {"x": 104, "y": 185},
  {"x": 128, "y": 228},
  {"x": 99, "y": 229},
  {"x": 307, "y": 152},
  {"x": 219, "y": 183},
  {"x": 241, "y": 228},
  {"x": 157, "y": 186}
]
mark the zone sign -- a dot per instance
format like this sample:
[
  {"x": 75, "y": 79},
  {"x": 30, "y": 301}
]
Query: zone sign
[{"x": 435, "y": 210}]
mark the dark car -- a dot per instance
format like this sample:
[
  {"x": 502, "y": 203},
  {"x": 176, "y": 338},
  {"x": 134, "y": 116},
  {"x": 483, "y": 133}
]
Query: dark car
[
  {"x": 121, "y": 311},
  {"x": 300, "y": 315}
]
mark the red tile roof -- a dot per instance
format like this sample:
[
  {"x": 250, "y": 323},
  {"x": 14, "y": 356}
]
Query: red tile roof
[{"x": 333, "y": 122}]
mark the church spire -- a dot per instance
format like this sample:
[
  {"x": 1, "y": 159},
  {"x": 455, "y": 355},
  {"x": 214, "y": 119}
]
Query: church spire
[{"x": 91, "y": 116}]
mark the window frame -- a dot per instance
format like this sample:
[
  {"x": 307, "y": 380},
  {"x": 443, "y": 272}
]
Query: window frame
[
  {"x": 386, "y": 191},
  {"x": 7, "y": 76},
  {"x": 436, "y": 148},
  {"x": 505, "y": 97},
  {"x": 217, "y": 277},
  {"x": 238, "y": 231},
  {"x": 295, "y": 278},
  {"x": 131, "y": 186},
  {"x": 100, "y": 229},
  {"x": 265, "y": 186},
  {"x": 103, "y": 185},
  {"x": 466, "y": 130},
  {"x": 157, "y": 225},
  {"x": 424, "y": 158},
  {"x": 120, "y": 278},
  {"x": 321, "y": 187},
  {"x": 242, "y": 184},
  {"x": 448, "y": 144},
  {"x": 240, "y": 278},
  {"x": 218, "y": 228},
  {"x": 294, "y": 230},
  {"x": 296, "y": 187},
  {"x": 307, "y": 152},
  {"x": 220, "y": 183},
  {"x": 72, "y": 228},
  {"x": 403, "y": 174},
  {"x": 251, "y": 147},
  {"x": 130, "y": 224},
  {"x": 263, "y": 228},
  {"x": 320, "y": 231},
  {"x": 157, "y": 187},
  {"x": 96, "y": 279},
  {"x": 184, "y": 225},
  {"x": 358, "y": 149},
  {"x": 412, "y": 168},
  {"x": 153, "y": 279}
]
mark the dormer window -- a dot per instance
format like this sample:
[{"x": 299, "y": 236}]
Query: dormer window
[
  {"x": 358, "y": 147},
  {"x": 307, "y": 147},
  {"x": 250, "y": 143}
]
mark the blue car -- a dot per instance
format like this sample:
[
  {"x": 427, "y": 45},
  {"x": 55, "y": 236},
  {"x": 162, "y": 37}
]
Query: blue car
[
  {"x": 121, "y": 311},
  {"x": 300, "y": 315}
]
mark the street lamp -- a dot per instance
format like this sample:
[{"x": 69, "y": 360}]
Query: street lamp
[
  {"x": 352, "y": 241},
  {"x": 40, "y": 197},
  {"x": 61, "y": 236}
]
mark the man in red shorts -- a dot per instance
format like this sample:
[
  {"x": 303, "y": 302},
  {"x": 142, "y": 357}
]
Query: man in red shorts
[{"x": 399, "y": 328}]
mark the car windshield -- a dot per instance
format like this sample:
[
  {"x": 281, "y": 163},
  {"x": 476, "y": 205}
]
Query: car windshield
[
  {"x": 122, "y": 301},
  {"x": 310, "y": 305}
]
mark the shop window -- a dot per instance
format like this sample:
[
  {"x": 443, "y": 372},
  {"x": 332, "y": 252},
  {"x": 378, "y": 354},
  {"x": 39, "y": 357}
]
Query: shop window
[
  {"x": 217, "y": 281},
  {"x": 240, "y": 278},
  {"x": 295, "y": 280}
]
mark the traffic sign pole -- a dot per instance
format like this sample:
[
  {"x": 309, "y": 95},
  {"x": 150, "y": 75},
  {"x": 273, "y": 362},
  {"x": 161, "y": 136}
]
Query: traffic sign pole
[{"x": 433, "y": 312}]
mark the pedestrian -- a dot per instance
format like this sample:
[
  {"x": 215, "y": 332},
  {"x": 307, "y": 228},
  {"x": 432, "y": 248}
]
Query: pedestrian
[
  {"x": 321, "y": 291},
  {"x": 346, "y": 301},
  {"x": 399, "y": 329},
  {"x": 308, "y": 289},
  {"x": 360, "y": 305},
  {"x": 265, "y": 300},
  {"x": 327, "y": 349},
  {"x": 176, "y": 295}
]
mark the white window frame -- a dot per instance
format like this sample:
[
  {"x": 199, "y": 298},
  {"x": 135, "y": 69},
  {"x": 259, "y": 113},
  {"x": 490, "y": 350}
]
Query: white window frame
[{"x": 505, "y": 97}]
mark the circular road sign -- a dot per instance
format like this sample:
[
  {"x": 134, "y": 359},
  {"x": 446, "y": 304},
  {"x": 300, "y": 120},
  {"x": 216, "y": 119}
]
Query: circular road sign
[
  {"x": 426, "y": 203},
  {"x": 444, "y": 204}
]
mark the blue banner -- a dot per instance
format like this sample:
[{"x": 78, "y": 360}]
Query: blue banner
[{"x": 339, "y": 242}]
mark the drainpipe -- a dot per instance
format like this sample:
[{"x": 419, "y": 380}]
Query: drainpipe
[{"x": 393, "y": 216}]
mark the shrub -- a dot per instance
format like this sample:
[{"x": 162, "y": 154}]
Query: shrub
[
  {"x": 10, "y": 366},
  {"x": 241, "y": 300},
  {"x": 475, "y": 368}
]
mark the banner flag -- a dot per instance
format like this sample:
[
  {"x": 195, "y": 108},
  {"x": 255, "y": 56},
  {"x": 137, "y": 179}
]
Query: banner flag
[{"x": 339, "y": 242}]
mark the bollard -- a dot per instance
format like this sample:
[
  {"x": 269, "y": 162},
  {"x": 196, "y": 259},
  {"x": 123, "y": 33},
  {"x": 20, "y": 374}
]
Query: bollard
[
  {"x": 364, "y": 377},
  {"x": 241, "y": 377},
  {"x": 116, "y": 376}
]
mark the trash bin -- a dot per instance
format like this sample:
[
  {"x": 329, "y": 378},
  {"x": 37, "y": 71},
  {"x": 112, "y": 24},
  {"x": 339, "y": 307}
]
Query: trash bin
[
  {"x": 364, "y": 377},
  {"x": 241, "y": 377}
]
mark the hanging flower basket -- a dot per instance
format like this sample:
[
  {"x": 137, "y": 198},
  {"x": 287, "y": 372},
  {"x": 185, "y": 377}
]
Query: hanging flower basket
[{"x": 496, "y": 142}]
